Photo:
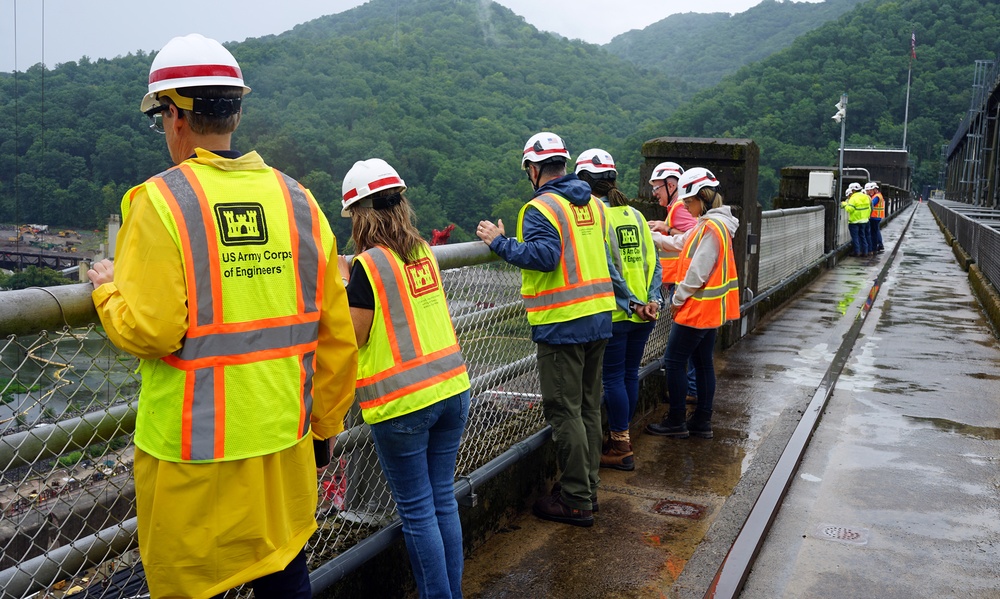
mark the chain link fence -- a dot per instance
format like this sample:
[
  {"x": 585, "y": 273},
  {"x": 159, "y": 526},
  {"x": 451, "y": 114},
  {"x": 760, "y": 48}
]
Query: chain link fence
[
  {"x": 67, "y": 497},
  {"x": 67, "y": 415}
]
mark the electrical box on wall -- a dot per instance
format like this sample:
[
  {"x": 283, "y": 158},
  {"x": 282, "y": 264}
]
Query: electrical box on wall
[{"x": 820, "y": 184}]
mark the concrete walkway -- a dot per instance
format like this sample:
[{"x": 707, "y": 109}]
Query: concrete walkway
[{"x": 897, "y": 495}]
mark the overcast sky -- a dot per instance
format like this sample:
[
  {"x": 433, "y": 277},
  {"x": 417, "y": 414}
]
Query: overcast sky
[{"x": 109, "y": 28}]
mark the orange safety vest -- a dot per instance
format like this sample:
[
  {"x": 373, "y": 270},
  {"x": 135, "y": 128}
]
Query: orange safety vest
[
  {"x": 878, "y": 209},
  {"x": 718, "y": 300},
  {"x": 668, "y": 259},
  {"x": 234, "y": 340},
  {"x": 412, "y": 358}
]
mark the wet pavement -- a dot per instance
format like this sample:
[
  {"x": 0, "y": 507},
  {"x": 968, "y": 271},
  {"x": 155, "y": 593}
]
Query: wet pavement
[{"x": 897, "y": 496}]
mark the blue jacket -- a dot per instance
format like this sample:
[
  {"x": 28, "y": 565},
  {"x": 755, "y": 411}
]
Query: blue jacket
[{"x": 542, "y": 251}]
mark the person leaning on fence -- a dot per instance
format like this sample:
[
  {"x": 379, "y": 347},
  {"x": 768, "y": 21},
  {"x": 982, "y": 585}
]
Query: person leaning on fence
[
  {"x": 707, "y": 296},
  {"x": 243, "y": 328},
  {"x": 561, "y": 249},
  {"x": 875, "y": 220},
  {"x": 678, "y": 220},
  {"x": 858, "y": 206},
  {"x": 634, "y": 258},
  {"x": 412, "y": 387}
]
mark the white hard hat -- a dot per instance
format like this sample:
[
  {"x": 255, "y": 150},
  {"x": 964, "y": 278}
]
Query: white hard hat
[
  {"x": 595, "y": 160},
  {"x": 365, "y": 178},
  {"x": 854, "y": 186},
  {"x": 693, "y": 180},
  {"x": 542, "y": 147},
  {"x": 191, "y": 61},
  {"x": 871, "y": 185},
  {"x": 666, "y": 169}
]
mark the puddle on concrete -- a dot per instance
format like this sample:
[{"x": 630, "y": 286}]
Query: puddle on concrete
[{"x": 980, "y": 432}]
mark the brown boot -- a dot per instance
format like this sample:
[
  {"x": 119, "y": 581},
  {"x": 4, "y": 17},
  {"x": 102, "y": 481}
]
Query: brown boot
[{"x": 617, "y": 452}]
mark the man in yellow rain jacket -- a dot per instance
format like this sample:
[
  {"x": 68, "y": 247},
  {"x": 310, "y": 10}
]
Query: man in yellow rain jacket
[{"x": 226, "y": 287}]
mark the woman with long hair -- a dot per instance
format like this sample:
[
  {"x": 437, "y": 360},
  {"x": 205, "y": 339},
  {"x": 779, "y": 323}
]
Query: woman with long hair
[
  {"x": 634, "y": 257},
  {"x": 412, "y": 386},
  {"x": 705, "y": 297}
]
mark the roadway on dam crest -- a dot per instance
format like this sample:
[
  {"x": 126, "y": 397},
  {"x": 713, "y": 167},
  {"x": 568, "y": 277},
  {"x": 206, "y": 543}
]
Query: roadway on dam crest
[{"x": 897, "y": 495}]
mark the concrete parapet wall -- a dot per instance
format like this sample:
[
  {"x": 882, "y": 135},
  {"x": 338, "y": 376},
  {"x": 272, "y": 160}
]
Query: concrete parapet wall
[{"x": 734, "y": 162}]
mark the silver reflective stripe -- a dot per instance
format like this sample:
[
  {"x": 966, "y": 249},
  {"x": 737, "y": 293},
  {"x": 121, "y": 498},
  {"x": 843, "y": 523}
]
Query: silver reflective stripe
[
  {"x": 308, "y": 254},
  {"x": 243, "y": 342},
  {"x": 397, "y": 315},
  {"x": 307, "y": 390},
  {"x": 716, "y": 292},
  {"x": 203, "y": 415},
  {"x": 728, "y": 284},
  {"x": 566, "y": 295},
  {"x": 572, "y": 270},
  {"x": 194, "y": 223},
  {"x": 411, "y": 376}
]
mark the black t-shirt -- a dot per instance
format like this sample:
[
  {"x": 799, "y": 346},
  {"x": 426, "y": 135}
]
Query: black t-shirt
[{"x": 359, "y": 290}]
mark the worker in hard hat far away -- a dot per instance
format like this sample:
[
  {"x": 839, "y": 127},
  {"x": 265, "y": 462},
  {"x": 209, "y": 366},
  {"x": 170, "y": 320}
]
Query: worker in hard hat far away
[{"x": 225, "y": 284}]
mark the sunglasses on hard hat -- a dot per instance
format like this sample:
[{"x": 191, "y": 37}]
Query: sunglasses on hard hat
[{"x": 155, "y": 115}]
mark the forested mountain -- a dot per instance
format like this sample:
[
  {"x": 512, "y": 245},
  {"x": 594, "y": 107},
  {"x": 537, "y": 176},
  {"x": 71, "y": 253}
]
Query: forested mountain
[
  {"x": 785, "y": 102},
  {"x": 445, "y": 90},
  {"x": 448, "y": 90},
  {"x": 701, "y": 48}
]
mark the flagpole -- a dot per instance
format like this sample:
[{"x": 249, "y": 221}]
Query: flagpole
[
  {"x": 906, "y": 114},
  {"x": 909, "y": 72}
]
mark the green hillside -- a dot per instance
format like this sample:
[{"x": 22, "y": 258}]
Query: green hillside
[
  {"x": 700, "y": 49},
  {"x": 785, "y": 102},
  {"x": 445, "y": 90}
]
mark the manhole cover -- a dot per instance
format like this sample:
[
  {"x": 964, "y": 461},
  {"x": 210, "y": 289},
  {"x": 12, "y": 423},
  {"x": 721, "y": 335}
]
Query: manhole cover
[
  {"x": 681, "y": 509},
  {"x": 842, "y": 534}
]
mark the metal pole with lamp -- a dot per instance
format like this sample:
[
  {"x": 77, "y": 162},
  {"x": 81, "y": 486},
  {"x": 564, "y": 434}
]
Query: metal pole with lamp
[{"x": 840, "y": 117}]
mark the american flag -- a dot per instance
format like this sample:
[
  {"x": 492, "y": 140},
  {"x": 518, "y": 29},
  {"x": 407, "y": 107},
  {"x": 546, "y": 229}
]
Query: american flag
[{"x": 913, "y": 45}]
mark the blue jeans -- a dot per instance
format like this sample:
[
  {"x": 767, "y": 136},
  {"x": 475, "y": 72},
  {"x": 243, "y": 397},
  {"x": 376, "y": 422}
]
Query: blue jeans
[
  {"x": 417, "y": 452},
  {"x": 684, "y": 344},
  {"x": 692, "y": 389},
  {"x": 875, "y": 230},
  {"x": 859, "y": 238},
  {"x": 622, "y": 357}
]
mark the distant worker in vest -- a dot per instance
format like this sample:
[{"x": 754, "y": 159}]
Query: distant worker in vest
[
  {"x": 875, "y": 220},
  {"x": 707, "y": 296},
  {"x": 412, "y": 387},
  {"x": 678, "y": 220},
  {"x": 859, "y": 207},
  {"x": 225, "y": 284},
  {"x": 562, "y": 251},
  {"x": 634, "y": 257}
]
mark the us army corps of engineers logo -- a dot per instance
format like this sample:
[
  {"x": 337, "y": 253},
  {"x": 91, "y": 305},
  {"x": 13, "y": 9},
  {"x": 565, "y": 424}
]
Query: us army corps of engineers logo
[
  {"x": 421, "y": 277},
  {"x": 241, "y": 223},
  {"x": 628, "y": 236}
]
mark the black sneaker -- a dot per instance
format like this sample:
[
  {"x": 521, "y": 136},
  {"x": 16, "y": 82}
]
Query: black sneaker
[{"x": 662, "y": 429}]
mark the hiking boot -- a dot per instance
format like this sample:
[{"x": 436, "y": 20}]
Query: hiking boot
[
  {"x": 667, "y": 428},
  {"x": 557, "y": 490},
  {"x": 617, "y": 455},
  {"x": 700, "y": 424},
  {"x": 691, "y": 399},
  {"x": 552, "y": 507}
]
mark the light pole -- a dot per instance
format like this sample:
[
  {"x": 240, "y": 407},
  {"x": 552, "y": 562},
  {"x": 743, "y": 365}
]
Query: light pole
[{"x": 840, "y": 117}]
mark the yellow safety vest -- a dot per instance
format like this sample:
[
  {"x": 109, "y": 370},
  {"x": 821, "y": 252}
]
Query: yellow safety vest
[
  {"x": 581, "y": 284},
  {"x": 412, "y": 358},
  {"x": 632, "y": 254},
  {"x": 719, "y": 299},
  {"x": 254, "y": 250}
]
